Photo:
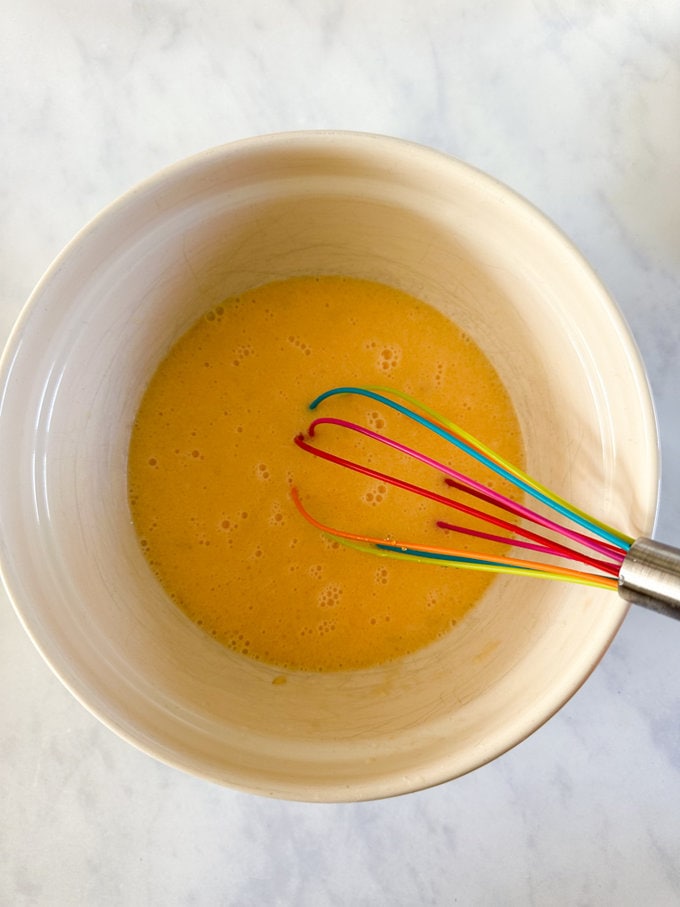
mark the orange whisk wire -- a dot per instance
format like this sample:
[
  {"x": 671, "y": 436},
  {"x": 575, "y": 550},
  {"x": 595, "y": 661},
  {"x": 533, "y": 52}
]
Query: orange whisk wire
[{"x": 450, "y": 557}]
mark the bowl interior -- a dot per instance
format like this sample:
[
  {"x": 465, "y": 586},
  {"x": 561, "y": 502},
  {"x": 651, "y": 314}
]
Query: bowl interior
[{"x": 91, "y": 337}]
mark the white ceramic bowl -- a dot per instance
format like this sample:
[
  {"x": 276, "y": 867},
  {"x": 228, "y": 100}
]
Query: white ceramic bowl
[{"x": 91, "y": 336}]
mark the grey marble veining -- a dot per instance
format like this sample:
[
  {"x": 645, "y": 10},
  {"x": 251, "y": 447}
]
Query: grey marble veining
[{"x": 575, "y": 105}]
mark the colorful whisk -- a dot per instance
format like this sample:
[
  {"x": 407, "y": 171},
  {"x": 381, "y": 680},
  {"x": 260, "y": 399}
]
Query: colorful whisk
[{"x": 642, "y": 570}]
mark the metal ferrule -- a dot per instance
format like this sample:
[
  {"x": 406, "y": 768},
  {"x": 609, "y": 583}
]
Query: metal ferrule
[{"x": 650, "y": 576}]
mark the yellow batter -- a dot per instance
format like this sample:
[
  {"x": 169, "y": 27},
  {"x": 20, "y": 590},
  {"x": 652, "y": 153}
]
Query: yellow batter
[{"x": 212, "y": 462}]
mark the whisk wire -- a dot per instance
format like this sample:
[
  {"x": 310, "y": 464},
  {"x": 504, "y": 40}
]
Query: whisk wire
[
  {"x": 545, "y": 545},
  {"x": 470, "y": 445},
  {"x": 609, "y": 544},
  {"x": 449, "y": 557},
  {"x": 471, "y": 487}
]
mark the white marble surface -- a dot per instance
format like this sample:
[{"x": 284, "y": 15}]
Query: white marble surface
[{"x": 576, "y": 105}]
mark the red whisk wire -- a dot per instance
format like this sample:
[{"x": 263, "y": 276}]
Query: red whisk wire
[{"x": 547, "y": 546}]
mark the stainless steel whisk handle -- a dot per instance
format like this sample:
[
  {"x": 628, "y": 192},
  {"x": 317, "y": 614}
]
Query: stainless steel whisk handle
[{"x": 650, "y": 576}]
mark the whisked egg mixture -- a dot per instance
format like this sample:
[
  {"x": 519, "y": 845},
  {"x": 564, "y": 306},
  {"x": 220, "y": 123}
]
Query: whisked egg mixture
[{"x": 212, "y": 463}]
